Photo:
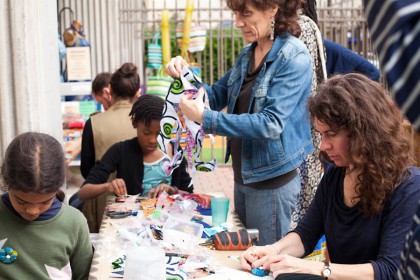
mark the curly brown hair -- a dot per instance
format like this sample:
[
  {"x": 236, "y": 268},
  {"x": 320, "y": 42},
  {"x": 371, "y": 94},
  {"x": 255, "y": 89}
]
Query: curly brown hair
[
  {"x": 286, "y": 19},
  {"x": 380, "y": 147}
]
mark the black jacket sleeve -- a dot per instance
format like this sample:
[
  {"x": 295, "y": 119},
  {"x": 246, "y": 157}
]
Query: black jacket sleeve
[
  {"x": 87, "y": 154},
  {"x": 109, "y": 163}
]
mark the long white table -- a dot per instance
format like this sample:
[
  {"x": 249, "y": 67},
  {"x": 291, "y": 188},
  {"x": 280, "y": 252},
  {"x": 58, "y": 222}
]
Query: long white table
[{"x": 102, "y": 260}]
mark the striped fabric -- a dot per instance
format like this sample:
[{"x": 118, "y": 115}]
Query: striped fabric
[
  {"x": 198, "y": 36},
  {"x": 158, "y": 85},
  {"x": 410, "y": 257},
  {"x": 154, "y": 56},
  {"x": 394, "y": 27}
]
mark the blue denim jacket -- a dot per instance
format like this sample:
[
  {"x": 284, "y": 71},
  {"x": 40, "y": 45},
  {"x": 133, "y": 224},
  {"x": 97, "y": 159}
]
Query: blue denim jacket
[{"x": 276, "y": 134}]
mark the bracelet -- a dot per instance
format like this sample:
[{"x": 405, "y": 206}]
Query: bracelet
[{"x": 176, "y": 190}]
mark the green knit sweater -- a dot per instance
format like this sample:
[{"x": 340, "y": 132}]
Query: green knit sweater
[{"x": 58, "y": 248}]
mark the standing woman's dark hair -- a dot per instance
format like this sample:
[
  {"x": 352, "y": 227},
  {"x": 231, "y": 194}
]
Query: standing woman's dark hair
[
  {"x": 286, "y": 19},
  {"x": 146, "y": 109},
  {"x": 309, "y": 10},
  {"x": 125, "y": 82},
  {"x": 380, "y": 146},
  {"x": 34, "y": 162}
]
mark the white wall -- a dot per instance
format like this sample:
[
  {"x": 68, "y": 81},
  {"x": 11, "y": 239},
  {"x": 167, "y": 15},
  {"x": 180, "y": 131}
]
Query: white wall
[{"x": 29, "y": 70}]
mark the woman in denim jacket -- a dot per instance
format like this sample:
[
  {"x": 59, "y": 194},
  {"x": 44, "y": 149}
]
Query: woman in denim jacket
[{"x": 267, "y": 122}]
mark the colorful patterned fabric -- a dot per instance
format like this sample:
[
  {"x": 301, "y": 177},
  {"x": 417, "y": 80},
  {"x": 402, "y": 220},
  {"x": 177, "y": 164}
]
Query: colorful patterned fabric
[
  {"x": 154, "y": 54},
  {"x": 158, "y": 85},
  {"x": 198, "y": 36},
  {"x": 311, "y": 169},
  {"x": 174, "y": 125}
]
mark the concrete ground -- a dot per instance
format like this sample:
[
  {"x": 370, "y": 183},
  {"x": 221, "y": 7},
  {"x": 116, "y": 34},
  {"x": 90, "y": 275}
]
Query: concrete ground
[{"x": 220, "y": 180}]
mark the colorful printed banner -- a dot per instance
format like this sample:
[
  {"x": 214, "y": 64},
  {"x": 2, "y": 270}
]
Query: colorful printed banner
[{"x": 185, "y": 133}]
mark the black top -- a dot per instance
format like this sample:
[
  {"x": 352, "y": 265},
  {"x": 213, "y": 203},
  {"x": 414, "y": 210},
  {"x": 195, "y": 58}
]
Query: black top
[
  {"x": 127, "y": 159},
  {"x": 242, "y": 106},
  {"x": 353, "y": 239},
  {"x": 87, "y": 154}
]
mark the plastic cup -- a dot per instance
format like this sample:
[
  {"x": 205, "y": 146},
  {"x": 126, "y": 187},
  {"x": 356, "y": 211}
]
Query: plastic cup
[
  {"x": 145, "y": 263},
  {"x": 219, "y": 210}
]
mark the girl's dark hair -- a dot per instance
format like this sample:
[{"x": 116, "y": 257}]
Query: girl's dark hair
[
  {"x": 34, "y": 162},
  {"x": 286, "y": 19},
  {"x": 101, "y": 80},
  {"x": 146, "y": 109},
  {"x": 309, "y": 10},
  {"x": 125, "y": 82},
  {"x": 380, "y": 146}
]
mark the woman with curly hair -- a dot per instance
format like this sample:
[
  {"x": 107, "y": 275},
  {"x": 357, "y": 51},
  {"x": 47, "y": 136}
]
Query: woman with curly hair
[{"x": 365, "y": 203}]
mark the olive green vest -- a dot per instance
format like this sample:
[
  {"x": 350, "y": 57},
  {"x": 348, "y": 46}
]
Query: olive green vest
[{"x": 111, "y": 127}]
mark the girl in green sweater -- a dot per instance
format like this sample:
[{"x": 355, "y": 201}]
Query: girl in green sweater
[{"x": 40, "y": 237}]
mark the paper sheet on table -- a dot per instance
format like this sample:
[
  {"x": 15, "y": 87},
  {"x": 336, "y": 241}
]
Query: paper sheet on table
[{"x": 227, "y": 273}]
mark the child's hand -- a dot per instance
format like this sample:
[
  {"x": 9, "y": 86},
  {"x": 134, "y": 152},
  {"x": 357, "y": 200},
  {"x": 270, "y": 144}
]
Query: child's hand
[
  {"x": 156, "y": 191},
  {"x": 117, "y": 186}
]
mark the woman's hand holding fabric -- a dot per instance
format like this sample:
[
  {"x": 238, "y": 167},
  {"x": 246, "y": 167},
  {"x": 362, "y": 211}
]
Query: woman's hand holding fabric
[
  {"x": 175, "y": 65},
  {"x": 193, "y": 109}
]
